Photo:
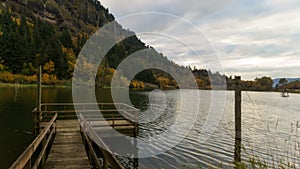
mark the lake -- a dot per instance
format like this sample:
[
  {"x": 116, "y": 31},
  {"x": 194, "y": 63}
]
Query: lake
[{"x": 269, "y": 131}]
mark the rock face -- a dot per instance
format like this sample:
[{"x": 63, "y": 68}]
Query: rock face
[{"x": 75, "y": 15}]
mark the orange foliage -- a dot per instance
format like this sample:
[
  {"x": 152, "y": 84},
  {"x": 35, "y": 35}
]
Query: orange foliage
[
  {"x": 49, "y": 67},
  {"x": 137, "y": 84},
  {"x": 163, "y": 82},
  {"x": 49, "y": 79},
  {"x": 8, "y": 77}
]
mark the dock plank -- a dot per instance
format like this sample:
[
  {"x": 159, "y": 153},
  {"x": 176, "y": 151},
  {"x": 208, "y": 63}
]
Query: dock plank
[{"x": 67, "y": 150}]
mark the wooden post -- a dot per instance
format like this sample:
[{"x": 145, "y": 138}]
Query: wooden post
[
  {"x": 105, "y": 162},
  {"x": 135, "y": 135},
  {"x": 238, "y": 119},
  {"x": 39, "y": 99}
]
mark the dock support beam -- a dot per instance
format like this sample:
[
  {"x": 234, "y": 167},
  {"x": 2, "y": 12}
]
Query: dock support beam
[
  {"x": 135, "y": 135},
  {"x": 37, "y": 113},
  {"x": 238, "y": 120}
]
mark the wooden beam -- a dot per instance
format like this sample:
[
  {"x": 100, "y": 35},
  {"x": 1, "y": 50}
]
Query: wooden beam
[
  {"x": 42, "y": 153},
  {"x": 39, "y": 100},
  {"x": 92, "y": 155},
  {"x": 238, "y": 119}
]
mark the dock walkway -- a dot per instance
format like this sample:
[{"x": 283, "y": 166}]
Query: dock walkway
[{"x": 67, "y": 149}]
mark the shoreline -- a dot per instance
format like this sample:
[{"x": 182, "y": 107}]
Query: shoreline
[{"x": 17, "y": 85}]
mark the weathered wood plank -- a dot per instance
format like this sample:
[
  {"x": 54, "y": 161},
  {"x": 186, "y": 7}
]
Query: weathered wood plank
[
  {"x": 111, "y": 122},
  {"x": 68, "y": 149}
]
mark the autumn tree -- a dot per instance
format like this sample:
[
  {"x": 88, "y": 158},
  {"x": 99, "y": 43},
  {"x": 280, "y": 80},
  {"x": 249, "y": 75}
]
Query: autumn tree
[
  {"x": 49, "y": 67},
  {"x": 264, "y": 83}
]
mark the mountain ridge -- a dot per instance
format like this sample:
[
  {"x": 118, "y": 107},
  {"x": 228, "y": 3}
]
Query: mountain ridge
[
  {"x": 76, "y": 15},
  {"x": 276, "y": 80}
]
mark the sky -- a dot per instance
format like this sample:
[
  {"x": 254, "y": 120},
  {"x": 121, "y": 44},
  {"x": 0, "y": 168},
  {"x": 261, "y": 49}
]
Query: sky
[{"x": 250, "y": 38}]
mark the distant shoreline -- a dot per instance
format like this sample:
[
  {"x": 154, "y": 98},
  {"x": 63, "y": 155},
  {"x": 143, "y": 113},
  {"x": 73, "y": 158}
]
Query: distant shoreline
[{"x": 17, "y": 85}]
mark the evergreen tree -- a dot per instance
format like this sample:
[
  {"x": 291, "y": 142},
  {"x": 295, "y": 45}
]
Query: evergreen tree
[
  {"x": 66, "y": 39},
  {"x": 23, "y": 29}
]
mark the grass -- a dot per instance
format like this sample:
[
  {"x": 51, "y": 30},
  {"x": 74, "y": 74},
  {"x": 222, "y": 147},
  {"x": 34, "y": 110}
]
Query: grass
[
  {"x": 5, "y": 85},
  {"x": 289, "y": 159}
]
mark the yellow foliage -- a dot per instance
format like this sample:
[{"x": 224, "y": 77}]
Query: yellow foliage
[
  {"x": 163, "y": 82},
  {"x": 30, "y": 24},
  {"x": 30, "y": 79},
  {"x": 71, "y": 59},
  {"x": 71, "y": 67},
  {"x": 91, "y": 28},
  {"x": 49, "y": 67},
  {"x": 17, "y": 20},
  {"x": 1, "y": 67},
  {"x": 7, "y": 77},
  {"x": 45, "y": 77},
  {"x": 111, "y": 71},
  {"x": 137, "y": 84},
  {"x": 49, "y": 79},
  {"x": 68, "y": 52}
]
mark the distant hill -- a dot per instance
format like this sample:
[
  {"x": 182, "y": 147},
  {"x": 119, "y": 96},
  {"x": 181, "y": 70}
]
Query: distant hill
[{"x": 275, "y": 81}]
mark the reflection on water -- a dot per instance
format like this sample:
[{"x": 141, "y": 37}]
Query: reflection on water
[
  {"x": 16, "y": 118},
  {"x": 268, "y": 126},
  {"x": 15, "y": 123}
]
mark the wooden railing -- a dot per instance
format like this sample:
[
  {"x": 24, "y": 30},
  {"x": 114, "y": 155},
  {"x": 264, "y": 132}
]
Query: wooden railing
[
  {"x": 109, "y": 159},
  {"x": 66, "y": 110},
  {"x": 93, "y": 158},
  {"x": 110, "y": 111},
  {"x": 38, "y": 146}
]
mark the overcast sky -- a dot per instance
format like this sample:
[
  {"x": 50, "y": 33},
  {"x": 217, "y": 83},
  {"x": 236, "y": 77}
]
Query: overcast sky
[{"x": 252, "y": 38}]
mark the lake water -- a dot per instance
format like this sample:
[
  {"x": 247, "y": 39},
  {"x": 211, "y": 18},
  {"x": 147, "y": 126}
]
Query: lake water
[{"x": 268, "y": 126}]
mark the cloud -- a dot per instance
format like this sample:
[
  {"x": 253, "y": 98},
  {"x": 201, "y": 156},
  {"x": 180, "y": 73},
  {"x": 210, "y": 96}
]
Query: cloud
[
  {"x": 251, "y": 37},
  {"x": 176, "y": 7}
]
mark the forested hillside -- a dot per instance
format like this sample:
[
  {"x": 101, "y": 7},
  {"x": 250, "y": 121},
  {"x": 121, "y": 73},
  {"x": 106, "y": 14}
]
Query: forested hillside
[{"x": 52, "y": 37}]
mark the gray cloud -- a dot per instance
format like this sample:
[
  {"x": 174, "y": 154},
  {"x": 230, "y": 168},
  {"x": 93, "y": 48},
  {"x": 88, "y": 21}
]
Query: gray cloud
[
  {"x": 252, "y": 37},
  {"x": 176, "y": 7}
]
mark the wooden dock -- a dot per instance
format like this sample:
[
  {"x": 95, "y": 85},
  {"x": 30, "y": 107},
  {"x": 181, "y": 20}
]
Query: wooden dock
[
  {"x": 62, "y": 141},
  {"x": 67, "y": 150}
]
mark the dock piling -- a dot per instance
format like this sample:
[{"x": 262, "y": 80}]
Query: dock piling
[
  {"x": 37, "y": 112},
  {"x": 238, "y": 119}
]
